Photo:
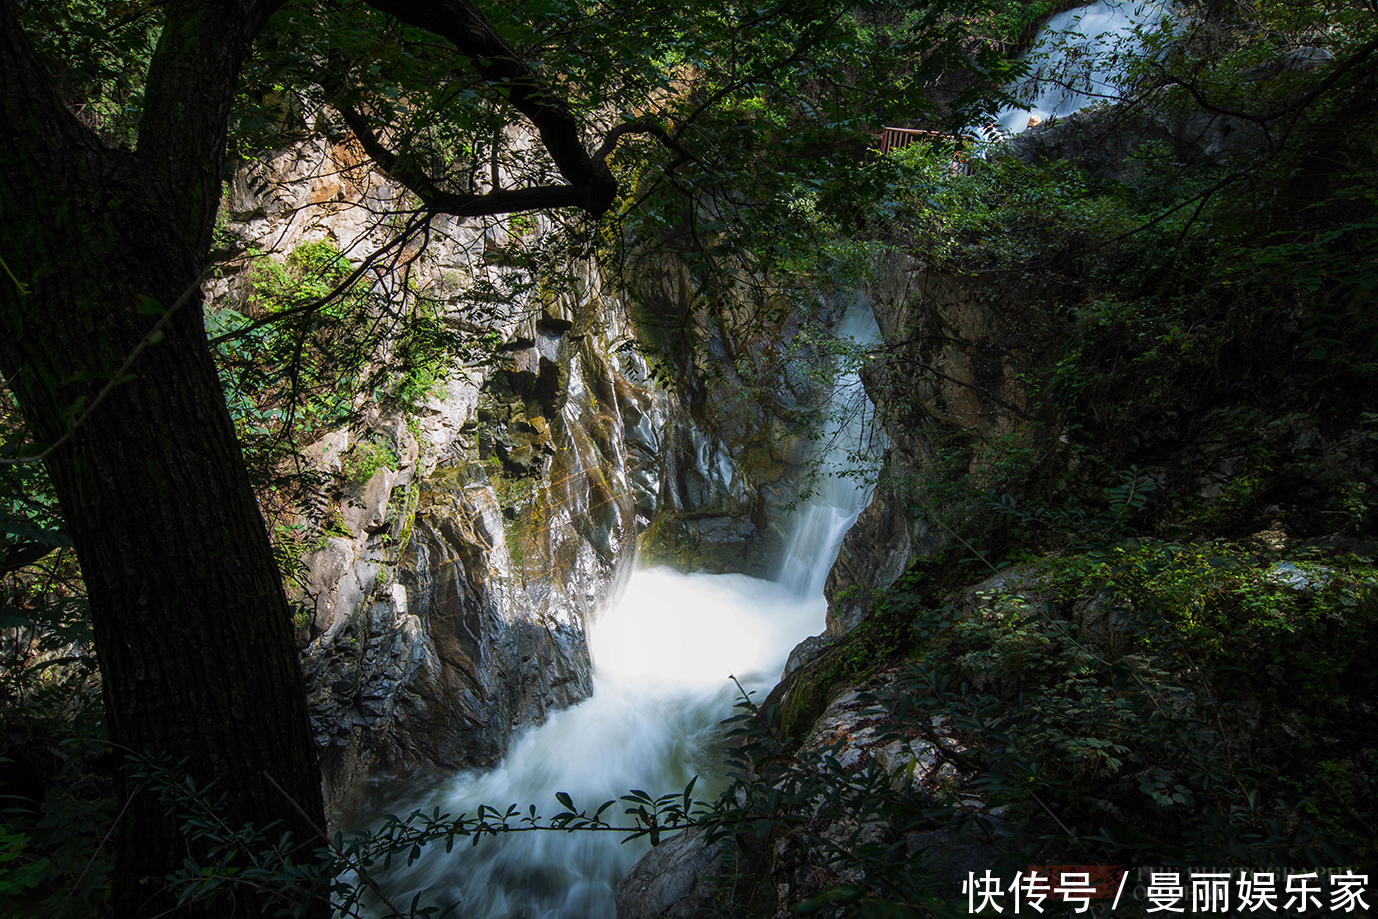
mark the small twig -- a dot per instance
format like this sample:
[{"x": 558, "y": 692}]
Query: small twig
[
  {"x": 645, "y": 126},
  {"x": 408, "y": 233},
  {"x": 1050, "y": 813},
  {"x": 90, "y": 861},
  {"x": 905, "y": 359},
  {"x": 1344, "y": 806},
  {"x": 23, "y": 290}
]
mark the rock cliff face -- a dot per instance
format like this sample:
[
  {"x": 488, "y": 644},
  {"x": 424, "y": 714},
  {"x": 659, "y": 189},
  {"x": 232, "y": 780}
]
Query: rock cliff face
[
  {"x": 463, "y": 547},
  {"x": 954, "y": 361},
  {"x": 510, "y": 550},
  {"x": 458, "y": 609},
  {"x": 732, "y": 463}
]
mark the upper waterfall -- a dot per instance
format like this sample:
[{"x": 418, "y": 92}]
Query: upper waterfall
[{"x": 1076, "y": 60}]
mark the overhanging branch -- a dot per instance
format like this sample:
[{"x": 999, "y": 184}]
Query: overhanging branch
[
  {"x": 22, "y": 555},
  {"x": 591, "y": 186},
  {"x": 652, "y": 128},
  {"x": 499, "y": 201}
]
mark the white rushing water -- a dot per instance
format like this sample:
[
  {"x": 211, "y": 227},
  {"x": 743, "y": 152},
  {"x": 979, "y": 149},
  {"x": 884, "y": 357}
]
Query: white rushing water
[
  {"x": 850, "y": 446},
  {"x": 662, "y": 657},
  {"x": 1075, "y": 60}
]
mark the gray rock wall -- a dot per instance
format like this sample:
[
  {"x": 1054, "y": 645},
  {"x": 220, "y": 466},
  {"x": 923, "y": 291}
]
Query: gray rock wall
[
  {"x": 953, "y": 361},
  {"x": 446, "y": 598}
]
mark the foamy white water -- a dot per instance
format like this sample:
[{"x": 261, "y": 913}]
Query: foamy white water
[
  {"x": 1075, "y": 59},
  {"x": 662, "y": 661},
  {"x": 663, "y": 656}
]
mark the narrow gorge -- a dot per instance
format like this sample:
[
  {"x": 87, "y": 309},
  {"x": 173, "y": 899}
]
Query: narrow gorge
[
  {"x": 488, "y": 621},
  {"x": 573, "y": 460}
]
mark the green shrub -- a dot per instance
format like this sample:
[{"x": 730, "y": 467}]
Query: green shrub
[{"x": 359, "y": 463}]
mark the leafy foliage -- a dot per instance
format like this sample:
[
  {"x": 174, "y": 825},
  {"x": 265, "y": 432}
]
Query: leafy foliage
[{"x": 97, "y": 53}]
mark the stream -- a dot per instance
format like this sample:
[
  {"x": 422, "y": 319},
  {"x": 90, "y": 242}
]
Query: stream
[
  {"x": 663, "y": 655},
  {"x": 664, "y": 652}
]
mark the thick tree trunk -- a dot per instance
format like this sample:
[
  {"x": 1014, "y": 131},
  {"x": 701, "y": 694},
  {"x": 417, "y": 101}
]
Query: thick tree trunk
[
  {"x": 192, "y": 628},
  {"x": 193, "y": 631}
]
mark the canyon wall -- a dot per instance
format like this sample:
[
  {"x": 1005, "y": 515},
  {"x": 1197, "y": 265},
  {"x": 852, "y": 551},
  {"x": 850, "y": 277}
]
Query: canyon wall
[{"x": 458, "y": 548}]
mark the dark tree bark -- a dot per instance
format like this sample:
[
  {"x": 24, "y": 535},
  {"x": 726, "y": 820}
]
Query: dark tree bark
[
  {"x": 192, "y": 628},
  {"x": 193, "y": 631}
]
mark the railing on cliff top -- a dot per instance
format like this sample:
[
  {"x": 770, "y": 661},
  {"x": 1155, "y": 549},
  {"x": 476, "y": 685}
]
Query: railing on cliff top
[{"x": 892, "y": 138}]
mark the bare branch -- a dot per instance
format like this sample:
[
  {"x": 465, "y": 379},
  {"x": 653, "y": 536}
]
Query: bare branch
[
  {"x": 437, "y": 200},
  {"x": 1300, "y": 104},
  {"x": 652, "y": 128},
  {"x": 23, "y": 555}
]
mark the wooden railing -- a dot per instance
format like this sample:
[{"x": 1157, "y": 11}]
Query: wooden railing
[{"x": 892, "y": 138}]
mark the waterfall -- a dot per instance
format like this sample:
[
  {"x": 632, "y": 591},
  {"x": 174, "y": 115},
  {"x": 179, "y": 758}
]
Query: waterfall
[
  {"x": 1075, "y": 60},
  {"x": 662, "y": 656},
  {"x": 850, "y": 446}
]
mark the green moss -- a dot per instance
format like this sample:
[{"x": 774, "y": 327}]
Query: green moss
[
  {"x": 886, "y": 638},
  {"x": 406, "y": 520},
  {"x": 361, "y": 461}
]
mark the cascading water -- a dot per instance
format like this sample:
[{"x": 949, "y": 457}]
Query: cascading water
[
  {"x": 662, "y": 657},
  {"x": 851, "y": 444},
  {"x": 1074, "y": 57}
]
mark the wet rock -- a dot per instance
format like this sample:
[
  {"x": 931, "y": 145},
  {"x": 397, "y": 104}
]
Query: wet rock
[
  {"x": 504, "y": 566},
  {"x": 1017, "y": 583},
  {"x": 726, "y": 532},
  {"x": 794, "y": 449},
  {"x": 358, "y": 685},
  {"x": 807, "y": 651},
  {"x": 1100, "y": 621},
  {"x": 1100, "y": 138},
  {"x": 874, "y": 553},
  {"x": 708, "y": 478},
  {"x": 672, "y": 881}
]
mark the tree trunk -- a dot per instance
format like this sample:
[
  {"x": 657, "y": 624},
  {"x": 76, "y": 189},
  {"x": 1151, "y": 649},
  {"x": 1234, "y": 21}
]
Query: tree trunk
[{"x": 193, "y": 631}]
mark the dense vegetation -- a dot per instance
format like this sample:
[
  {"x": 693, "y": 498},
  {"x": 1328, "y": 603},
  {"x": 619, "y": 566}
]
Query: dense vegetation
[
  {"x": 1172, "y": 664},
  {"x": 1181, "y": 671}
]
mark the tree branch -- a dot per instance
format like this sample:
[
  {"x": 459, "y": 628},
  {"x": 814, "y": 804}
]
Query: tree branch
[
  {"x": 437, "y": 200},
  {"x": 591, "y": 186},
  {"x": 610, "y": 141},
  {"x": 27, "y": 97},
  {"x": 189, "y": 93},
  {"x": 23, "y": 555},
  {"x": 1336, "y": 71},
  {"x": 927, "y": 368},
  {"x": 310, "y": 306}
]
